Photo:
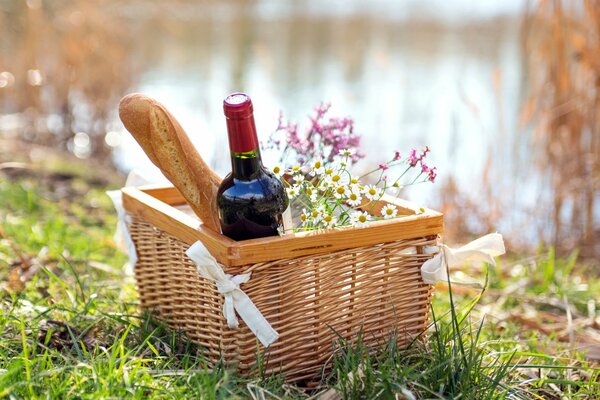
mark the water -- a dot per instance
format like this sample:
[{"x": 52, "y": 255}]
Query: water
[{"x": 410, "y": 73}]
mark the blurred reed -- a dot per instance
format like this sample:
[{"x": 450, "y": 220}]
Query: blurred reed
[
  {"x": 63, "y": 66},
  {"x": 562, "y": 48}
]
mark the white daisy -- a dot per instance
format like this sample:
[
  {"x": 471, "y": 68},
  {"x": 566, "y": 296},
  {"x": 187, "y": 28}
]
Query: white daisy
[
  {"x": 372, "y": 192},
  {"x": 346, "y": 152},
  {"x": 389, "y": 211},
  {"x": 354, "y": 198},
  {"x": 316, "y": 168},
  {"x": 324, "y": 184},
  {"x": 292, "y": 192},
  {"x": 317, "y": 214},
  {"x": 298, "y": 178},
  {"x": 304, "y": 215},
  {"x": 311, "y": 192},
  {"x": 354, "y": 183},
  {"x": 340, "y": 191},
  {"x": 338, "y": 177},
  {"x": 329, "y": 220},
  {"x": 360, "y": 219},
  {"x": 278, "y": 171}
]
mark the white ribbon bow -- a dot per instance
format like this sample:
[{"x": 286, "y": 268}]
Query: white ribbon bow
[
  {"x": 235, "y": 298},
  {"x": 483, "y": 249}
]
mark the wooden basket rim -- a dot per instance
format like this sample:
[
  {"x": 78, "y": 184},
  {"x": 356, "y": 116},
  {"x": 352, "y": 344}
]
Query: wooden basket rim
[{"x": 155, "y": 205}]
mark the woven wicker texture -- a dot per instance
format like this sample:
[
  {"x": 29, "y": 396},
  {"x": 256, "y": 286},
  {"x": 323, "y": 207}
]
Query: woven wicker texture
[{"x": 376, "y": 290}]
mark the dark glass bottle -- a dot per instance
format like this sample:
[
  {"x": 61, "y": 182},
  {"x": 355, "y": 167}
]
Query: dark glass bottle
[{"x": 251, "y": 199}]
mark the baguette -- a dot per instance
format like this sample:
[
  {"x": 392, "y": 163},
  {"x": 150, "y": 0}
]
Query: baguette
[{"x": 169, "y": 148}]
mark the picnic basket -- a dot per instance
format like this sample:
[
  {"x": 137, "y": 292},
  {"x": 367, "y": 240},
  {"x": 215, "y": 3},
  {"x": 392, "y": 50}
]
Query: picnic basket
[{"x": 313, "y": 288}]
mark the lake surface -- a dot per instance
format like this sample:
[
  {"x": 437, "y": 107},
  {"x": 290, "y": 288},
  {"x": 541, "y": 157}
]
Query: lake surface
[
  {"x": 450, "y": 75},
  {"x": 410, "y": 74}
]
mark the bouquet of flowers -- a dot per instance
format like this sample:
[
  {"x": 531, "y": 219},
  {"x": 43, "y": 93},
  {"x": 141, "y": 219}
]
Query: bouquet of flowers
[{"x": 316, "y": 166}]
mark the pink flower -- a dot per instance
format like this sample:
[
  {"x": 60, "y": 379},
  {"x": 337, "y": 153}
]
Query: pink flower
[
  {"x": 396, "y": 155},
  {"x": 432, "y": 174},
  {"x": 383, "y": 166},
  {"x": 412, "y": 158},
  {"x": 424, "y": 168},
  {"x": 322, "y": 139}
]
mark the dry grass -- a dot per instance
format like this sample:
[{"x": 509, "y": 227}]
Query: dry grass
[
  {"x": 67, "y": 59},
  {"x": 562, "y": 44}
]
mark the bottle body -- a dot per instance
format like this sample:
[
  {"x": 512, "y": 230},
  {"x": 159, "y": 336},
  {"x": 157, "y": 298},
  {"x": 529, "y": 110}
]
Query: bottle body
[
  {"x": 251, "y": 208},
  {"x": 251, "y": 199}
]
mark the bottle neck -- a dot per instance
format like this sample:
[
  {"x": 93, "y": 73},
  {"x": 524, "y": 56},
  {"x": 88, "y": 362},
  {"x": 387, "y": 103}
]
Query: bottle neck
[
  {"x": 243, "y": 145},
  {"x": 245, "y": 165}
]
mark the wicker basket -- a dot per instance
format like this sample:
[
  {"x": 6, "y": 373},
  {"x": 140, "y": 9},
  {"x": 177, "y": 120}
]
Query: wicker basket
[{"x": 311, "y": 288}]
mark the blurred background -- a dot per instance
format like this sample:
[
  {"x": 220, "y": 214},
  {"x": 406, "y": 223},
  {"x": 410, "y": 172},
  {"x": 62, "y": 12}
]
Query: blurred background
[{"x": 506, "y": 93}]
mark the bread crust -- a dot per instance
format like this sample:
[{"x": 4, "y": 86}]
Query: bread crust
[{"x": 170, "y": 149}]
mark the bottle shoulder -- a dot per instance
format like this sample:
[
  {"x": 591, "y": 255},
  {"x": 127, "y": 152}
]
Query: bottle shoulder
[{"x": 264, "y": 183}]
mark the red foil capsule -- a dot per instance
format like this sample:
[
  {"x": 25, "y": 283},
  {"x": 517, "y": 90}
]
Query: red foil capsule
[{"x": 241, "y": 128}]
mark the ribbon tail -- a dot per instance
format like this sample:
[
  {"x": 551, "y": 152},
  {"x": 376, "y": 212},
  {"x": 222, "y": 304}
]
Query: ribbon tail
[
  {"x": 432, "y": 271},
  {"x": 253, "y": 318},
  {"x": 483, "y": 249},
  {"x": 492, "y": 243},
  {"x": 235, "y": 300},
  {"x": 229, "y": 312}
]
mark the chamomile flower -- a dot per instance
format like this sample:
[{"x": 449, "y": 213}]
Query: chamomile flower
[
  {"x": 298, "y": 178},
  {"x": 292, "y": 191},
  {"x": 389, "y": 211},
  {"x": 340, "y": 191},
  {"x": 372, "y": 192},
  {"x": 354, "y": 198},
  {"x": 354, "y": 183},
  {"x": 329, "y": 220},
  {"x": 328, "y": 171},
  {"x": 324, "y": 185},
  {"x": 296, "y": 169},
  {"x": 317, "y": 214},
  {"x": 316, "y": 168},
  {"x": 338, "y": 177},
  {"x": 311, "y": 192},
  {"x": 304, "y": 216},
  {"x": 360, "y": 219},
  {"x": 278, "y": 171},
  {"x": 346, "y": 152}
]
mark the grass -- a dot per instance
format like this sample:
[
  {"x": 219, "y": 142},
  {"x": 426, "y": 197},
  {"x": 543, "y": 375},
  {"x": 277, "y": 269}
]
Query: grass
[{"x": 70, "y": 326}]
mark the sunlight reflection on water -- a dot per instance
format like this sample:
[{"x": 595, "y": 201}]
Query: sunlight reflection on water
[
  {"x": 451, "y": 80},
  {"x": 411, "y": 73}
]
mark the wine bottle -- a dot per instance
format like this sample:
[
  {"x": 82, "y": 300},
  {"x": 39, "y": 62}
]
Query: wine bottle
[{"x": 251, "y": 200}]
